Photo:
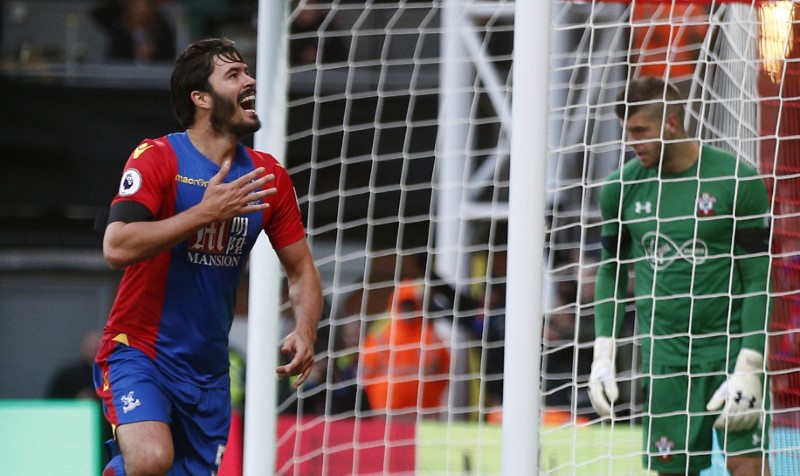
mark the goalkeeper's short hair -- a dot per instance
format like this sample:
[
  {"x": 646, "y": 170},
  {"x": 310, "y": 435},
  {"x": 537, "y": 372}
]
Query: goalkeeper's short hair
[{"x": 648, "y": 91}]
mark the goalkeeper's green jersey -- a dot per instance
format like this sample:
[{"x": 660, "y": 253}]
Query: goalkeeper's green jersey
[{"x": 697, "y": 291}]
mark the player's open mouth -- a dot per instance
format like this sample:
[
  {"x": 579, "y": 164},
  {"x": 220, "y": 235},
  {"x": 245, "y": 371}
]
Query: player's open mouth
[{"x": 248, "y": 103}]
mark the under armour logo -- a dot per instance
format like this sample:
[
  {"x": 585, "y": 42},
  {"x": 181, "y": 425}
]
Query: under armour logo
[
  {"x": 645, "y": 207},
  {"x": 739, "y": 397}
]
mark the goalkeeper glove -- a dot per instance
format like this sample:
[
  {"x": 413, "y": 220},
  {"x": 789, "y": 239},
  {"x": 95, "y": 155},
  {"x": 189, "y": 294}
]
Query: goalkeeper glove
[
  {"x": 603, "y": 389},
  {"x": 742, "y": 394}
]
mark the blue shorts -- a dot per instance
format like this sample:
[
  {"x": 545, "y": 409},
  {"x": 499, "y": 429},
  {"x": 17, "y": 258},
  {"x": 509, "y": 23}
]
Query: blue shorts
[{"x": 133, "y": 389}]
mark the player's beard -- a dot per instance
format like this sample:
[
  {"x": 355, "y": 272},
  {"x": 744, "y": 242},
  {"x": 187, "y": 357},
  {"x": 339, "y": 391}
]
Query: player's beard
[{"x": 224, "y": 117}]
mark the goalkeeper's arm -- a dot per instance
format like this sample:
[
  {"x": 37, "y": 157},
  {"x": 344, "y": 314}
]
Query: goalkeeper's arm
[
  {"x": 610, "y": 289},
  {"x": 752, "y": 269},
  {"x": 743, "y": 393}
]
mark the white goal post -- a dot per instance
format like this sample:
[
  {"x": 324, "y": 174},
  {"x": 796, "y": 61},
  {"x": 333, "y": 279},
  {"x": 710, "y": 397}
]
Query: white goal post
[{"x": 432, "y": 194}]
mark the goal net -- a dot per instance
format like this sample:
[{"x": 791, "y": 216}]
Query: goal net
[{"x": 399, "y": 144}]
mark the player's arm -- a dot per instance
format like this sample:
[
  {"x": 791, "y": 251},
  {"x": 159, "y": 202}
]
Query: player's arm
[
  {"x": 751, "y": 258},
  {"x": 610, "y": 290},
  {"x": 611, "y": 285},
  {"x": 742, "y": 394},
  {"x": 305, "y": 296},
  {"x": 752, "y": 265},
  {"x": 133, "y": 236}
]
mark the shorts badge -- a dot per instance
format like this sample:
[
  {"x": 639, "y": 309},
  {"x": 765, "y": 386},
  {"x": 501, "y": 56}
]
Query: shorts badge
[{"x": 664, "y": 446}]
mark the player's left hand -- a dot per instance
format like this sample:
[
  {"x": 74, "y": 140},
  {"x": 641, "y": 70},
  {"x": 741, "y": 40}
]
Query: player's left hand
[
  {"x": 302, "y": 347},
  {"x": 742, "y": 394}
]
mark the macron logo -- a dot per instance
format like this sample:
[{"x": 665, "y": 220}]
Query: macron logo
[{"x": 645, "y": 207}]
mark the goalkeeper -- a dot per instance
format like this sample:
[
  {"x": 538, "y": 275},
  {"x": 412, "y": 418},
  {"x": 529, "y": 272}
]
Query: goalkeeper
[{"x": 693, "y": 222}]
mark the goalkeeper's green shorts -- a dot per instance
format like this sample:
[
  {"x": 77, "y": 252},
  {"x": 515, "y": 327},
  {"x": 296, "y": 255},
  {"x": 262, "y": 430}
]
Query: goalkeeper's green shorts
[{"x": 669, "y": 430}]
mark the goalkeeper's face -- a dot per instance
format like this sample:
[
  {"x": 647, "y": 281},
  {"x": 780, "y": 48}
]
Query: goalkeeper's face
[{"x": 645, "y": 136}]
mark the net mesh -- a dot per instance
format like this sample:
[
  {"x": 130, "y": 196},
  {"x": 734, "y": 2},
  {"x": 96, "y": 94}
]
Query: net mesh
[{"x": 398, "y": 143}]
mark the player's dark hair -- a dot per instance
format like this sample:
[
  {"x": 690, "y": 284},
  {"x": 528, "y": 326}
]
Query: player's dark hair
[
  {"x": 192, "y": 70},
  {"x": 648, "y": 91}
]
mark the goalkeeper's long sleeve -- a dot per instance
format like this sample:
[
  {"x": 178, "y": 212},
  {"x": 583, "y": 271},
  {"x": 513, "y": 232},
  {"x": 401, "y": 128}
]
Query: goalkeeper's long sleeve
[
  {"x": 611, "y": 286},
  {"x": 610, "y": 290},
  {"x": 751, "y": 258},
  {"x": 754, "y": 273}
]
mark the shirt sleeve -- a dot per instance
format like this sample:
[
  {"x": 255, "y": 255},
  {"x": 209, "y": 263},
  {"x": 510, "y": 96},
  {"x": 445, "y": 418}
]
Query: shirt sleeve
[
  {"x": 146, "y": 176},
  {"x": 612, "y": 279},
  {"x": 752, "y": 207},
  {"x": 284, "y": 224}
]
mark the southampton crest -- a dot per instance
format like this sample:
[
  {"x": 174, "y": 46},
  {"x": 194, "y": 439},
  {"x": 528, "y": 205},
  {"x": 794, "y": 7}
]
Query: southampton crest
[
  {"x": 705, "y": 204},
  {"x": 664, "y": 446}
]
